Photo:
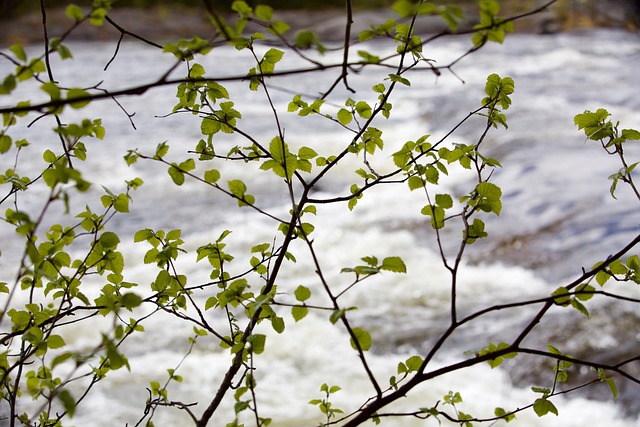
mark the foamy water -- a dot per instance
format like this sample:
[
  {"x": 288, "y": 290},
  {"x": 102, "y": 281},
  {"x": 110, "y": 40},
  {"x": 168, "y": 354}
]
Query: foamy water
[{"x": 542, "y": 153}]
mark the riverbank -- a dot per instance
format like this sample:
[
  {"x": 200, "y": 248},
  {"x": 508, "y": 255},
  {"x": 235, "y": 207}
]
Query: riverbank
[{"x": 160, "y": 24}]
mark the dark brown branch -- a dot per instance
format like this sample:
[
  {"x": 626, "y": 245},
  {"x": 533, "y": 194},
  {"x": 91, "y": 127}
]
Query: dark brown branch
[
  {"x": 46, "y": 41},
  {"x": 345, "y": 56},
  {"x": 124, "y": 32}
]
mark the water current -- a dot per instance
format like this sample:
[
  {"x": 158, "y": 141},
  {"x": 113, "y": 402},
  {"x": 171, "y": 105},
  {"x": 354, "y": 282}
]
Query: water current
[{"x": 557, "y": 218}]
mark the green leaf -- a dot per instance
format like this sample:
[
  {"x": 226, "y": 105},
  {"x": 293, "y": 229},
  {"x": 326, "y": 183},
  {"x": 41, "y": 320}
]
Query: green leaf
[
  {"x": 8, "y": 85},
  {"x": 238, "y": 189},
  {"x": 55, "y": 341},
  {"x": 20, "y": 319},
  {"x": 543, "y": 406},
  {"x": 284, "y": 164},
  {"x": 363, "y": 109},
  {"x": 271, "y": 57},
  {"x": 143, "y": 235},
  {"x": 379, "y": 88},
  {"x": 257, "y": 342},
  {"x": 74, "y": 12},
  {"x": 299, "y": 312},
  {"x": 603, "y": 276},
  {"x": 371, "y": 260},
  {"x": 335, "y": 315},
  {"x": 394, "y": 264},
  {"x": 415, "y": 183},
  {"x": 452, "y": 398},
  {"x": 196, "y": 71},
  {"x": 612, "y": 386},
  {"x": 161, "y": 150},
  {"x": 490, "y": 6},
  {"x": 18, "y": 51},
  {"x": 366, "y": 35},
  {"x": 151, "y": 257},
  {"x": 109, "y": 240},
  {"x": 352, "y": 203},
  {"x": 5, "y": 143},
  {"x": 594, "y": 124},
  {"x": 368, "y": 57},
  {"x": 403, "y": 8},
  {"x": 278, "y": 324},
  {"x": 344, "y": 116},
  {"x": 580, "y": 307},
  {"x": 398, "y": 79},
  {"x": 306, "y": 153},
  {"x": 618, "y": 268},
  {"x": 97, "y": 16},
  {"x": 242, "y": 8},
  {"x": 188, "y": 165},
  {"x": 437, "y": 215},
  {"x": 63, "y": 51},
  {"x": 176, "y": 174},
  {"x": 211, "y": 176},
  {"x": 630, "y": 134},
  {"x": 130, "y": 300},
  {"x": 210, "y": 303},
  {"x": 78, "y": 93},
  {"x": 501, "y": 413},
  {"x": 115, "y": 359},
  {"x": 68, "y": 401},
  {"x": 278, "y": 27},
  {"x": 264, "y": 12},
  {"x": 432, "y": 175},
  {"x": 210, "y": 125},
  {"x": 51, "y": 89},
  {"x": 363, "y": 338},
  {"x": 306, "y": 39},
  {"x": 302, "y": 293},
  {"x": 121, "y": 203},
  {"x": 306, "y": 228},
  {"x": 444, "y": 201},
  {"x": 414, "y": 363},
  {"x": 490, "y": 195},
  {"x": 561, "y": 296},
  {"x": 492, "y": 348}
]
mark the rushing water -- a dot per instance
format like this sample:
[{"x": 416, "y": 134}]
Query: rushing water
[{"x": 556, "y": 203}]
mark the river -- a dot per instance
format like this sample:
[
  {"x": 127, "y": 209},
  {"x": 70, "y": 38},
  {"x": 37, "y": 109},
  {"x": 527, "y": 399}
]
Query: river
[{"x": 558, "y": 217}]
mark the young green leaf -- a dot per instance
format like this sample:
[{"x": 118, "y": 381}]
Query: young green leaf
[
  {"x": 363, "y": 339},
  {"x": 542, "y": 406},
  {"x": 264, "y": 12},
  {"x": 68, "y": 401},
  {"x": 74, "y": 12},
  {"x": 489, "y": 196},
  {"x": 344, "y": 116},
  {"x": 394, "y": 264},
  {"x": 302, "y": 293},
  {"x": 414, "y": 363},
  {"x": 299, "y": 312},
  {"x": 18, "y": 51},
  {"x": 363, "y": 109}
]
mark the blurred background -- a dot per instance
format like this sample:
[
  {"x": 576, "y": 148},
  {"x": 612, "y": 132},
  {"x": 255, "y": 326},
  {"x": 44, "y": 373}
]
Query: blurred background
[
  {"x": 572, "y": 12},
  {"x": 21, "y": 21}
]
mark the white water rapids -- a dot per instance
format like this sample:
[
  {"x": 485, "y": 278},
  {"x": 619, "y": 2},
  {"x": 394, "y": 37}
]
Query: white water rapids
[{"x": 555, "y": 192}]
